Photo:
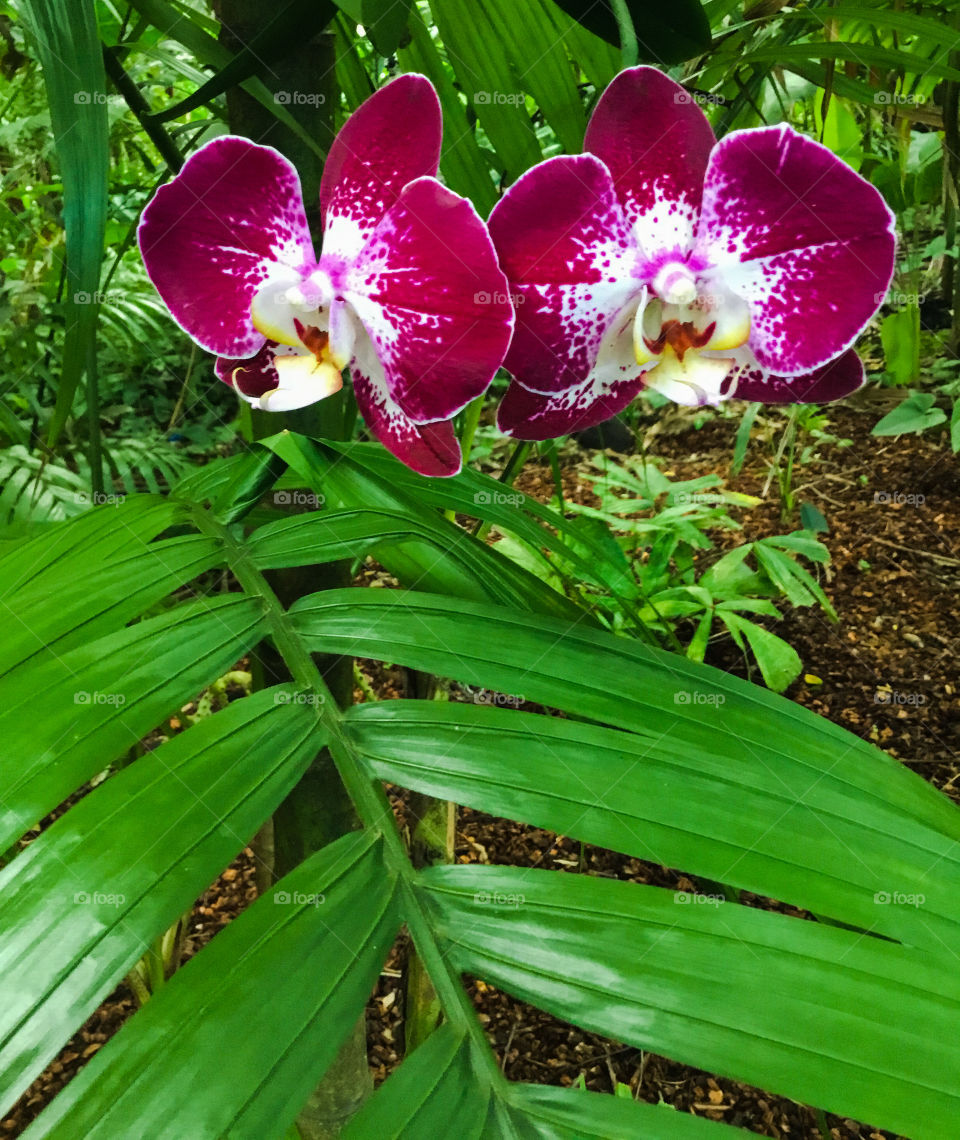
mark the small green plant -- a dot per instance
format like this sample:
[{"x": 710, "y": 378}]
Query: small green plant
[{"x": 656, "y": 530}]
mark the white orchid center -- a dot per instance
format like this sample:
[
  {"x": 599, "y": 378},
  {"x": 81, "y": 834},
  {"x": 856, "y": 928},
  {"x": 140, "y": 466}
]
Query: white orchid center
[
  {"x": 675, "y": 283},
  {"x": 686, "y": 331},
  {"x": 314, "y": 334}
]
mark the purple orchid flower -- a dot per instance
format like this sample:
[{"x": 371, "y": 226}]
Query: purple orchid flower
[
  {"x": 406, "y": 291},
  {"x": 662, "y": 258}
]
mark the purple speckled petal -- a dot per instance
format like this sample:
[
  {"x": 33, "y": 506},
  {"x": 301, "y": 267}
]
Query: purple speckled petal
[
  {"x": 530, "y": 415},
  {"x": 655, "y": 141},
  {"x": 432, "y": 298},
  {"x": 430, "y": 449},
  {"x": 802, "y": 237},
  {"x": 391, "y": 139},
  {"x": 833, "y": 381},
  {"x": 566, "y": 248},
  {"x": 612, "y": 384},
  {"x": 231, "y": 220}
]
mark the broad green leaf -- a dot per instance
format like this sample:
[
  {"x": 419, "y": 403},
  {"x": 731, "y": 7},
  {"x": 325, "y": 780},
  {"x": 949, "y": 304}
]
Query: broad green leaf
[
  {"x": 119, "y": 868},
  {"x": 119, "y": 591},
  {"x": 423, "y": 550},
  {"x": 600, "y": 61},
  {"x": 436, "y": 1085},
  {"x": 530, "y": 39},
  {"x": 619, "y": 791},
  {"x": 545, "y": 1112},
  {"x": 96, "y": 536},
  {"x": 237, "y": 1039},
  {"x": 65, "y": 719},
  {"x": 621, "y": 682},
  {"x": 827, "y": 1016},
  {"x": 481, "y": 497}
]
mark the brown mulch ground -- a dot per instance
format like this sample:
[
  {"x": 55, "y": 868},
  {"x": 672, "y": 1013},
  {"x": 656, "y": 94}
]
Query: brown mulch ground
[{"x": 885, "y": 672}]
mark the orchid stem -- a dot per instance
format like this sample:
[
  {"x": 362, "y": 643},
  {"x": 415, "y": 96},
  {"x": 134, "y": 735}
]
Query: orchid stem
[
  {"x": 629, "y": 48},
  {"x": 507, "y": 476},
  {"x": 471, "y": 421}
]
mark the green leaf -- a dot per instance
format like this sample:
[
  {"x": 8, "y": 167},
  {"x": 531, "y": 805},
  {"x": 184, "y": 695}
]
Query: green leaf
[
  {"x": 850, "y": 1023},
  {"x": 385, "y": 22},
  {"x": 914, "y": 414},
  {"x": 420, "y": 548},
  {"x": 437, "y": 1084},
  {"x": 73, "y": 74},
  {"x": 612, "y": 680},
  {"x": 813, "y": 519},
  {"x": 299, "y": 972},
  {"x": 93, "y": 712},
  {"x": 530, "y": 39},
  {"x": 475, "y": 45},
  {"x": 115, "y": 886},
  {"x": 464, "y": 165},
  {"x": 94, "y": 537},
  {"x": 665, "y": 34},
  {"x": 829, "y": 853},
  {"x": 779, "y": 662},
  {"x": 900, "y": 336},
  {"x": 742, "y": 439},
  {"x": 440, "y": 1084},
  {"x": 863, "y": 53}
]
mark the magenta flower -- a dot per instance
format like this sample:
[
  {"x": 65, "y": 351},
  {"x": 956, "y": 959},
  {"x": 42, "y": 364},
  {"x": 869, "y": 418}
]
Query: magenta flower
[
  {"x": 665, "y": 259},
  {"x": 406, "y": 291}
]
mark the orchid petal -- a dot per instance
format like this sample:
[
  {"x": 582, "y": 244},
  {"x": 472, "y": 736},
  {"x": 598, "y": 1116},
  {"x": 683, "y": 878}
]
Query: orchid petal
[
  {"x": 391, "y": 139},
  {"x": 434, "y": 302},
  {"x": 803, "y": 238},
  {"x": 430, "y": 449},
  {"x": 230, "y": 222},
  {"x": 611, "y": 385},
  {"x": 833, "y": 381},
  {"x": 656, "y": 142},
  {"x": 531, "y": 415},
  {"x": 565, "y": 246}
]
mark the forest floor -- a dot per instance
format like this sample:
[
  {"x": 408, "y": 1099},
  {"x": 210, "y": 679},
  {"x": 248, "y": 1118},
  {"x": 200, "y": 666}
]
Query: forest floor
[{"x": 883, "y": 671}]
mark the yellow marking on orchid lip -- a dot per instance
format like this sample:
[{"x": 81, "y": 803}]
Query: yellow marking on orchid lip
[
  {"x": 324, "y": 378},
  {"x": 271, "y": 328},
  {"x": 647, "y": 316},
  {"x": 730, "y": 333}
]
